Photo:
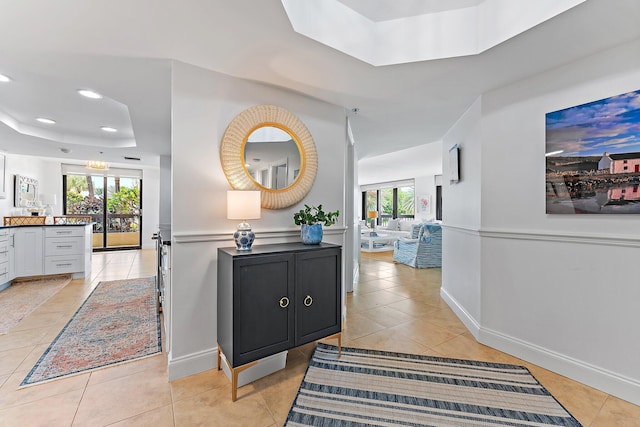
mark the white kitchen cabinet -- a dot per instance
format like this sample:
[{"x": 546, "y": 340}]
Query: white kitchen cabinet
[
  {"x": 64, "y": 250},
  {"x": 6, "y": 258},
  {"x": 28, "y": 251}
]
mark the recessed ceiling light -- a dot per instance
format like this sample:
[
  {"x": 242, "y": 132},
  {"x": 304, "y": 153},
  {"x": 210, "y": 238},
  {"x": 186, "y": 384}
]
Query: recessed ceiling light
[
  {"x": 45, "y": 120},
  {"x": 4, "y": 78},
  {"x": 89, "y": 93},
  {"x": 109, "y": 129}
]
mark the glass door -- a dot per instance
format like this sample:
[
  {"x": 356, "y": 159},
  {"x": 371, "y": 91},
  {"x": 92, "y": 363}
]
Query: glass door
[
  {"x": 123, "y": 213},
  {"x": 115, "y": 206}
]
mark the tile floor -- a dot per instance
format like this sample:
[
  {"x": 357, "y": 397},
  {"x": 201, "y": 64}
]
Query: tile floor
[{"x": 394, "y": 307}]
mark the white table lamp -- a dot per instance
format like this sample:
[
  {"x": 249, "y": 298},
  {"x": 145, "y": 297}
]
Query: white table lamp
[
  {"x": 243, "y": 205},
  {"x": 48, "y": 200}
]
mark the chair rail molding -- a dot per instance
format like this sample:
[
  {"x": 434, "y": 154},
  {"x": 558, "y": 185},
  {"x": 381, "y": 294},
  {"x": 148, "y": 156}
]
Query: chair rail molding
[
  {"x": 550, "y": 236},
  {"x": 224, "y": 236}
]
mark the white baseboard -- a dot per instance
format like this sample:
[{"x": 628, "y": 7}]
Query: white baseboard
[
  {"x": 609, "y": 382},
  {"x": 593, "y": 376},
  {"x": 471, "y": 324},
  {"x": 192, "y": 364}
]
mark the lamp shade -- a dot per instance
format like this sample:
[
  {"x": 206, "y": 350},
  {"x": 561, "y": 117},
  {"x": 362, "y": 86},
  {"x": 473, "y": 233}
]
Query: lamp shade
[
  {"x": 48, "y": 199},
  {"x": 243, "y": 204},
  {"x": 372, "y": 214}
]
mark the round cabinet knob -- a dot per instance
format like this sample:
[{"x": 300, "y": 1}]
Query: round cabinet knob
[
  {"x": 284, "y": 302},
  {"x": 308, "y": 301}
]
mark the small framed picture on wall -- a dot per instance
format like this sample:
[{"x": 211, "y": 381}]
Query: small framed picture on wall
[
  {"x": 454, "y": 164},
  {"x": 424, "y": 204}
]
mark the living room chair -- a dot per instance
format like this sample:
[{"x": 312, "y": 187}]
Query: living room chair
[{"x": 423, "y": 250}]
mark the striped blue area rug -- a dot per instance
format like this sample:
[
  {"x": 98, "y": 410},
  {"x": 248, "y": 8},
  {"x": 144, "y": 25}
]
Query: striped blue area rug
[{"x": 377, "y": 388}]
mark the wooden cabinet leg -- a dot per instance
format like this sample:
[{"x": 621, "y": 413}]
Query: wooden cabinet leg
[
  {"x": 234, "y": 373},
  {"x": 338, "y": 337},
  {"x": 234, "y": 378},
  {"x": 234, "y": 385}
]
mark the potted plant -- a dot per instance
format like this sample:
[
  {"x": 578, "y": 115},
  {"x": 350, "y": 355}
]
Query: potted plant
[{"x": 311, "y": 219}]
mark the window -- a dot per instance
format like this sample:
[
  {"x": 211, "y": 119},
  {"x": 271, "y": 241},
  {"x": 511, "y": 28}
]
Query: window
[
  {"x": 406, "y": 199},
  {"x": 390, "y": 201}
]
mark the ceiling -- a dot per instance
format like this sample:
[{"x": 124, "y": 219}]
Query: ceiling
[
  {"x": 124, "y": 52},
  {"x": 384, "y": 10}
]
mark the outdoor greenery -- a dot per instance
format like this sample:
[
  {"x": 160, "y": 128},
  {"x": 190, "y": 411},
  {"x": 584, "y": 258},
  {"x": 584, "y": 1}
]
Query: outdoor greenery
[
  {"x": 125, "y": 201},
  {"x": 406, "y": 201},
  {"x": 85, "y": 196}
]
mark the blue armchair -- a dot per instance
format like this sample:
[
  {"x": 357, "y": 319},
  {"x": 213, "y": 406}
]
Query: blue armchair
[{"x": 423, "y": 250}]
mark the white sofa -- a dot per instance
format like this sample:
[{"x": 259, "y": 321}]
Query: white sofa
[
  {"x": 397, "y": 228},
  {"x": 400, "y": 228}
]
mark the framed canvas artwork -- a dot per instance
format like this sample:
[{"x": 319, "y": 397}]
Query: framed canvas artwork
[{"x": 593, "y": 157}]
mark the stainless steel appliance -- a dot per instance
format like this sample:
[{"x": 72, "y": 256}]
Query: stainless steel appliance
[{"x": 162, "y": 253}]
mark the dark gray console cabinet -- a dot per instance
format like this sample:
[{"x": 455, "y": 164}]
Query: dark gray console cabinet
[{"x": 276, "y": 297}]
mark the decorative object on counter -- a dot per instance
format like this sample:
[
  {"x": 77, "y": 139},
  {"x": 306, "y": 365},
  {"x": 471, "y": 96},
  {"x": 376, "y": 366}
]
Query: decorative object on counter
[
  {"x": 311, "y": 219},
  {"x": 72, "y": 219},
  {"x": 24, "y": 220},
  {"x": 372, "y": 215},
  {"x": 243, "y": 205},
  {"x": 286, "y": 179},
  {"x": 117, "y": 323}
]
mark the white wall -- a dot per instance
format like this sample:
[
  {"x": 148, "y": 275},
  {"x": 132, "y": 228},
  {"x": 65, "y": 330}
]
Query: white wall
[
  {"x": 49, "y": 176},
  {"x": 32, "y": 167},
  {"x": 461, "y": 218},
  {"x": 203, "y": 104},
  {"x": 555, "y": 289},
  {"x": 164, "y": 216}
]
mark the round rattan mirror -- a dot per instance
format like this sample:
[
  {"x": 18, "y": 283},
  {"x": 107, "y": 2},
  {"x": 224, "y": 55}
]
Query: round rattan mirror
[{"x": 240, "y": 153}]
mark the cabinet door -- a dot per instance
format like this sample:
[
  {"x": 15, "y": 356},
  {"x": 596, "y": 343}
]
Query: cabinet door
[
  {"x": 28, "y": 251},
  {"x": 318, "y": 294},
  {"x": 262, "y": 306}
]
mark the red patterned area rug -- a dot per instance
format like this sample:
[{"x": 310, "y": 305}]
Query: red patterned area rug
[
  {"x": 117, "y": 323},
  {"x": 22, "y": 298}
]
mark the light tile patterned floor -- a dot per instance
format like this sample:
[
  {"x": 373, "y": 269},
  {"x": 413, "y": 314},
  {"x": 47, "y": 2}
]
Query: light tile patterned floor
[{"x": 393, "y": 307}]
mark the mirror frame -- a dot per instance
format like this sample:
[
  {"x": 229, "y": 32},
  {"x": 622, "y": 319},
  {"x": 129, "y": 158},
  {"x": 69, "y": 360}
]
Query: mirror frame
[
  {"x": 232, "y": 154},
  {"x": 19, "y": 181}
]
